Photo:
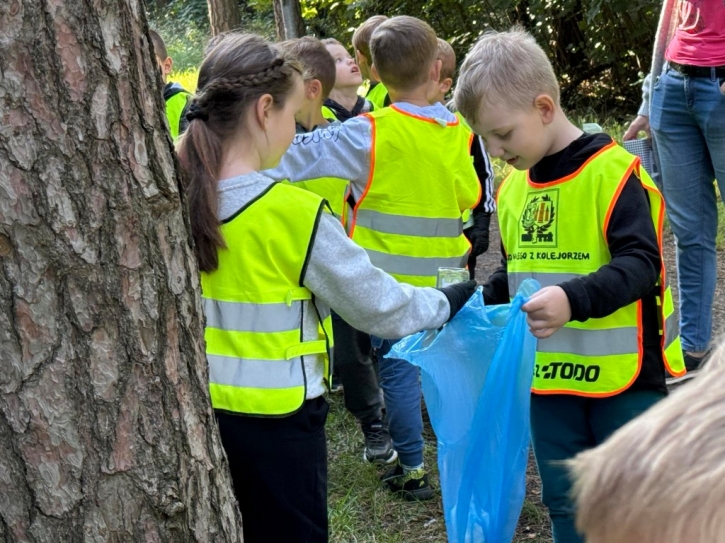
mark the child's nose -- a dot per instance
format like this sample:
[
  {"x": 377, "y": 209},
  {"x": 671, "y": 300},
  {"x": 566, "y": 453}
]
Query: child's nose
[{"x": 496, "y": 151}]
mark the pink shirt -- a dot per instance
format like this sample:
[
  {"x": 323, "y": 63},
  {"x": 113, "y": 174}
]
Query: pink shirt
[{"x": 700, "y": 38}]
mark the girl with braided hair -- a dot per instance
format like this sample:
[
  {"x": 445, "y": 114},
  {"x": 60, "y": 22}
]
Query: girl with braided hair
[{"x": 273, "y": 262}]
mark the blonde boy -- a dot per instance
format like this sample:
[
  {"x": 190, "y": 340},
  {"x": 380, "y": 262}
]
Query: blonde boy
[
  {"x": 377, "y": 93},
  {"x": 411, "y": 178},
  {"x": 579, "y": 215},
  {"x": 175, "y": 96},
  {"x": 660, "y": 478},
  {"x": 344, "y": 101}
]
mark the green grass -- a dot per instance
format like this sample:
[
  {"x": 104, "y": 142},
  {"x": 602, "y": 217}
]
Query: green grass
[{"x": 362, "y": 511}]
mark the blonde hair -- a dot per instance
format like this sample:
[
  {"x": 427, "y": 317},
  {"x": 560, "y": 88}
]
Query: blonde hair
[
  {"x": 504, "y": 68},
  {"x": 448, "y": 56},
  {"x": 660, "y": 478},
  {"x": 363, "y": 33},
  {"x": 404, "y": 49}
]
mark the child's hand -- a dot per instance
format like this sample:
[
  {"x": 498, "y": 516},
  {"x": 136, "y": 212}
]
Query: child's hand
[{"x": 548, "y": 310}]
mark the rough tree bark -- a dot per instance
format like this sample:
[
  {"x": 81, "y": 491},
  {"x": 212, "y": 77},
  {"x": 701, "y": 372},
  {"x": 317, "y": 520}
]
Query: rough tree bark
[
  {"x": 223, "y": 15},
  {"x": 106, "y": 430},
  {"x": 288, "y": 19}
]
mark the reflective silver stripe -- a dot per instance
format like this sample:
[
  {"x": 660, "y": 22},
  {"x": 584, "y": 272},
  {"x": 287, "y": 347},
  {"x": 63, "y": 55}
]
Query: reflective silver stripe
[
  {"x": 544, "y": 279},
  {"x": 414, "y": 265},
  {"x": 248, "y": 317},
  {"x": 241, "y": 372},
  {"x": 409, "y": 226},
  {"x": 672, "y": 329},
  {"x": 615, "y": 341}
]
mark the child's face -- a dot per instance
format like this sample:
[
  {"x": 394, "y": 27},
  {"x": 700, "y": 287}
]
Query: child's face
[
  {"x": 516, "y": 136},
  {"x": 281, "y": 126},
  {"x": 347, "y": 73}
]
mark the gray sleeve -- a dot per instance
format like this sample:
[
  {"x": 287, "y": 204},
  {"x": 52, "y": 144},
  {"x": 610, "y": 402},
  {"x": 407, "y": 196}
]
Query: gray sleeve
[
  {"x": 342, "y": 150},
  {"x": 646, "y": 90},
  {"x": 340, "y": 274}
]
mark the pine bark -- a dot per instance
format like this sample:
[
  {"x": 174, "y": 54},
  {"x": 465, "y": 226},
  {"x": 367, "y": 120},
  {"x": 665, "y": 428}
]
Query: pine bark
[
  {"x": 106, "y": 430},
  {"x": 288, "y": 19},
  {"x": 223, "y": 15}
]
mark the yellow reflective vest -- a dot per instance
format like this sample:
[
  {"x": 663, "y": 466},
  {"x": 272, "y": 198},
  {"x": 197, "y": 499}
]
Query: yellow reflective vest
[
  {"x": 175, "y": 105},
  {"x": 408, "y": 219},
  {"x": 558, "y": 231},
  {"x": 255, "y": 302},
  {"x": 328, "y": 114},
  {"x": 377, "y": 94}
]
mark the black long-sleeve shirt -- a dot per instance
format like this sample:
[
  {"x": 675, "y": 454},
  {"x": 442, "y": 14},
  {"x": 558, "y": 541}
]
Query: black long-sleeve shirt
[{"x": 632, "y": 272}]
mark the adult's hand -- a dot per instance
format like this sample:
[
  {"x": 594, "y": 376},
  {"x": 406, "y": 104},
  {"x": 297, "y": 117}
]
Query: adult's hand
[{"x": 639, "y": 124}]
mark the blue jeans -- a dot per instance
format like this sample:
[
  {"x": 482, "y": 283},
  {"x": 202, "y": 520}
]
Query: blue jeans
[
  {"x": 400, "y": 382},
  {"x": 688, "y": 123},
  {"x": 562, "y": 426}
]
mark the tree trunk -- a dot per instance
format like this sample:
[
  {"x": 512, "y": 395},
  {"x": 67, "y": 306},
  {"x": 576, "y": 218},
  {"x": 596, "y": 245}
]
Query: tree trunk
[
  {"x": 106, "y": 430},
  {"x": 288, "y": 19},
  {"x": 223, "y": 15}
]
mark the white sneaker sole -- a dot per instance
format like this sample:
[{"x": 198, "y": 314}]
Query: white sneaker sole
[
  {"x": 689, "y": 375},
  {"x": 382, "y": 461}
]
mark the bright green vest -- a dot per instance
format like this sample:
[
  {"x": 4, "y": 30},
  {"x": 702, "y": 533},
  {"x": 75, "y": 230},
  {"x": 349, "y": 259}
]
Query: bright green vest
[
  {"x": 334, "y": 190},
  {"x": 174, "y": 108},
  {"x": 421, "y": 179},
  {"x": 254, "y": 304},
  {"x": 467, "y": 216},
  {"x": 377, "y": 95},
  {"x": 557, "y": 232},
  {"x": 328, "y": 114}
]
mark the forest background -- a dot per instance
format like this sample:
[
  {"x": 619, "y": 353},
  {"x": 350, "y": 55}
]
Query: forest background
[{"x": 600, "y": 49}]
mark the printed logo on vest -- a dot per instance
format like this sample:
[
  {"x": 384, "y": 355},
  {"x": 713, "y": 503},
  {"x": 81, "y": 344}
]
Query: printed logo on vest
[
  {"x": 539, "y": 219},
  {"x": 567, "y": 371}
]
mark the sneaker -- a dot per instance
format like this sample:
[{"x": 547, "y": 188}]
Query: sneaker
[
  {"x": 336, "y": 385},
  {"x": 693, "y": 364},
  {"x": 412, "y": 486},
  {"x": 378, "y": 445}
]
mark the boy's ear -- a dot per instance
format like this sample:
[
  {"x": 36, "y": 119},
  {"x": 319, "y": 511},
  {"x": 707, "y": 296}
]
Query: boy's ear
[
  {"x": 546, "y": 106},
  {"x": 435, "y": 71},
  {"x": 167, "y": 66},
  {"x": 313, "y": 89},
  {"x": 445, "y": 85}
]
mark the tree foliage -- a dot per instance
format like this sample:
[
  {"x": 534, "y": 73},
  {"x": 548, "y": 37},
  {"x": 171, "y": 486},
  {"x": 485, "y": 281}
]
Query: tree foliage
[{"x": 600, "y": 49}]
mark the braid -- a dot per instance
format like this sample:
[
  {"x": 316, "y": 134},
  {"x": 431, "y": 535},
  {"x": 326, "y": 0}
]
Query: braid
[{"x": 231, "y": 84}]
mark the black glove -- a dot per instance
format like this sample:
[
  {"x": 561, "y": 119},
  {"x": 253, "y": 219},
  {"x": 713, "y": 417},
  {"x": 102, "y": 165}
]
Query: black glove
[
  {"x": 478, "y": 233},
  {"x": 458, "y": 295}
]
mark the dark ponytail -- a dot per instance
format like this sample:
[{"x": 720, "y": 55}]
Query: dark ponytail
[{"x": 234, "y": 75}]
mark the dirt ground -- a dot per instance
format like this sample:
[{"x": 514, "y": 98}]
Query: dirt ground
[{"x": 533, "y": 524}]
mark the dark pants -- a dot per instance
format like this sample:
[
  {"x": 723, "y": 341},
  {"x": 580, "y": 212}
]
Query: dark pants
[
  {"x": 279, "y": 471},
  {"x": 563, "y": 426},
  {"x": 357, "y": 369}
]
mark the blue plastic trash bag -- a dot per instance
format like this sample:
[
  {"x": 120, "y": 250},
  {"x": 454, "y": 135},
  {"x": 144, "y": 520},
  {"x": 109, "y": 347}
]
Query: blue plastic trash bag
[{"x": 476, "y": 375}]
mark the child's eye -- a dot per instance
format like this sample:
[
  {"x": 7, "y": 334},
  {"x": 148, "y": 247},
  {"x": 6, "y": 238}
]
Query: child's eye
[{"x": 506, "y": 136}]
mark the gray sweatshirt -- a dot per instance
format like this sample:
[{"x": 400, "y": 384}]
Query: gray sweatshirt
[{"x": 340, "y": 275}]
